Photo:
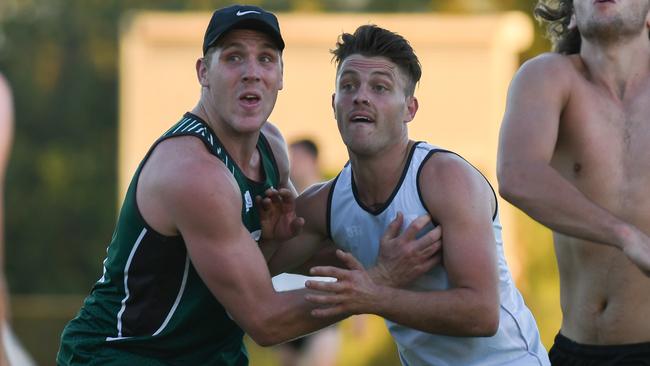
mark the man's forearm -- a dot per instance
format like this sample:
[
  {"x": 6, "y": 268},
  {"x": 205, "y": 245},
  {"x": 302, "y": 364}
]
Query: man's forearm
[
  {"x": 459, "y": 312},
  {"x": 288, "y": 317},
  {"x": 541, "y": 192}
]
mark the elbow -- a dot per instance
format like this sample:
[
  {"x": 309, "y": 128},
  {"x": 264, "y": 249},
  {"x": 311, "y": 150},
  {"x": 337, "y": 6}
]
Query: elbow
[
  {"x": 264, "y": 341},
  {"x": 484, "y": 322},
  {"x": 263, "y": 331},
  {"x": 488, "y": 326},
  {"x": 510, "y": 185},
  {"x": 265, "y": 337}
]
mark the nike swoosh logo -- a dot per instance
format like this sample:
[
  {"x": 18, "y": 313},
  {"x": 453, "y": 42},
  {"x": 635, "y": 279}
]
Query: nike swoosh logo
[{"x": 240, "y": 13}]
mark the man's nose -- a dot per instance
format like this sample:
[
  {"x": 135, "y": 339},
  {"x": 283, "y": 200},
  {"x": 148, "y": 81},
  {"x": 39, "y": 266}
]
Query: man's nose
[
  {"x": 361, "y": 97},
  {"x": 251, "y": 72}
]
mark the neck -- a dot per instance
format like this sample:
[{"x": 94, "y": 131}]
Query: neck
[
  {"x": 377, "y": 176},
  {"x": 617, "y": 65},
  {"x": 242, "y": 147}
]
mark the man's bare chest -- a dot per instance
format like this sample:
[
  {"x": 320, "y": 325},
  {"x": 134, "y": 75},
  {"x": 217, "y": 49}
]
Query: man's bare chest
[{"x": 603, "y": 146}]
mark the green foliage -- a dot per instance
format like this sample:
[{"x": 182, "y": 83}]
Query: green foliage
[{"x": 61, "y": 59}]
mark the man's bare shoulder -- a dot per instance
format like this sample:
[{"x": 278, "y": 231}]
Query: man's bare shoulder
[
  {"x": 182, "y": 181},
  {"x": 270, "y": 130},
  {"x": 274, "y": 137},
  {"x": 317, "y": 191},
  {"x": 183, "y": 166},
  {"x": 448, "y": 167},
  {"x": 279, "y": 148},
  {"x": 550, "y": 66},
  {"x": 455, "y": 180},
  {"x": 312, "y": 204}
]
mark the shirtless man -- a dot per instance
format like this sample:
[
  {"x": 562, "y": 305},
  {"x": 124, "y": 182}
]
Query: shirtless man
[{"x": 574, "y": 156}]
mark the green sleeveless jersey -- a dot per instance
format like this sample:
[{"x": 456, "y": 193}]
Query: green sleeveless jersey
[{"x": 150, "y": 306}]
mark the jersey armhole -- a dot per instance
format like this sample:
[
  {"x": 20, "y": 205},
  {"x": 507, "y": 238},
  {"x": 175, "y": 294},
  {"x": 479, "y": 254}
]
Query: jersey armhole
[
  {"x": 417, "y": 182},
  {"x": 328, "y": 213}
]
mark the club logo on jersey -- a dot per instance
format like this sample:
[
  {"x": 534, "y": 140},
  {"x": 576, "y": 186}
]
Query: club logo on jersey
[
  {"x": 353, "y": 231},
  {"x": 248, "y": 201}
]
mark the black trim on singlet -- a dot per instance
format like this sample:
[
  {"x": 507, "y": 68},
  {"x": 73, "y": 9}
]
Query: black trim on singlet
[
  {"x": 136, "y": 178},
  {"x": 330, "y": 197},
  {"x": 155, "y": 278},
  {"x": 429, "y": 155},
  {"x": 395, "y": 189},
  {"x": 227, "y": 154}
]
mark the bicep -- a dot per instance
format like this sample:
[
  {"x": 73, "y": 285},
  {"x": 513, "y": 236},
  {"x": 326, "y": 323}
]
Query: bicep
[
  {"x": 462, "y": 204},
  {"x": 233, "y": 268},
  {"x": 469, "y": 248},
  {"x": 222, "y": 251}
]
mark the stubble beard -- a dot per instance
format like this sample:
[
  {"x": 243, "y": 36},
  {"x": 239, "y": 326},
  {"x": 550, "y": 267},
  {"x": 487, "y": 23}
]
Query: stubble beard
[{"x": 613, "y": 29}]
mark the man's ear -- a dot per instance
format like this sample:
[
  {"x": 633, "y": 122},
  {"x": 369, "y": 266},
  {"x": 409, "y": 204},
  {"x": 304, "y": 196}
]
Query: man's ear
[
  {"x": 411, "y": 108},
  {"x": 281, "y": 72},
  {"x": 202, "y": 71},
  {"x": 572, "y": 22},
  {"x": 334, "y": 105}
]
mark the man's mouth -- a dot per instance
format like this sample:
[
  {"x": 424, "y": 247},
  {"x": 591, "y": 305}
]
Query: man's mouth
[
  {"x": 249, "y": 98},
  {"x": 361, "y": 118}
]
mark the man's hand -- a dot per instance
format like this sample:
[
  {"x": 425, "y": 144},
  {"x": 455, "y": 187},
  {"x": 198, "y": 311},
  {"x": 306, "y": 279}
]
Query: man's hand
[
  {"x": 354, "y": 292},
  {"x": 278, "y": 216},
  {"x": 636, "y": 246},
  {"x": 403, "y": 257}
]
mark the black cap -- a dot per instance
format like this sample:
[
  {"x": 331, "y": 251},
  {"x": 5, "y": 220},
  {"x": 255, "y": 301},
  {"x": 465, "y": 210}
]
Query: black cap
[{"x": 242, "y": 17}]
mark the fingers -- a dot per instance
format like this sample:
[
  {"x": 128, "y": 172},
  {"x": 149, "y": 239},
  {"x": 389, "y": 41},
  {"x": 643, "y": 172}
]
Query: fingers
[
  {"x": 296, "y": 226},
  {"x": 393, "y": 228},
  {"x": 349, "y": 260},
  {"x": 324, "y": 299},
  {"x": 428, "y": 264},
  {"x": 328, "y": 271},
  {"x": 416, "y": 226},
  {"x": 287, "y": 199},
  {"x": 266, "y": 208},
  {"x": 430, "y": 249},
  {"x": 431, "y": 238},
  {"x": 327, "y": 312},
  {"x": 331, "y": 305},
  {"x": 324, "y": 286},
  {"x": 436, "y": 233}
]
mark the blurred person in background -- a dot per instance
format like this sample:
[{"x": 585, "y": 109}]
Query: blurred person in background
[
  {"x": 6, "y": 136},
  {"x": 305, "y": 167},
  {"x": 573, "y": 155},
  {"x": 320, "y": 348}
]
